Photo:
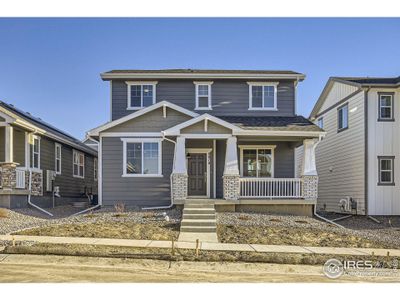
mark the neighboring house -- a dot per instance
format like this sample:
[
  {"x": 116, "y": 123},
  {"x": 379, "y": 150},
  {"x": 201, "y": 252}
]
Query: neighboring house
[
  {"x": 359, "y": 159},
  {"x": 224, "y": 135},
  {"x": 31, "y": 148}
]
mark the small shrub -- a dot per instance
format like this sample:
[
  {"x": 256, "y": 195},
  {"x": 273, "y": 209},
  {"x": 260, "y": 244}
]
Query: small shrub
[
  {"x": 3, "y": 213},
  {"x": 119, "y": 207}
]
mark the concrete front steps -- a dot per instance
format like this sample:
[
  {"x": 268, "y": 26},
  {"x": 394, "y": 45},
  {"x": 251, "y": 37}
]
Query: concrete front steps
[{"x": 198, "y": 222}]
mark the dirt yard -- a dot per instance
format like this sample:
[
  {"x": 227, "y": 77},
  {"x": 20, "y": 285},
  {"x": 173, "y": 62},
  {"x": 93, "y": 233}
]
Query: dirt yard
[{"x": 117, "y": 230}]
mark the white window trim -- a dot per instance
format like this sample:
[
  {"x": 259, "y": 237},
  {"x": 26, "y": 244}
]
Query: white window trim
[
  {"x": 79, "y": 153},
  {"x": 57, "y": 145},
  {"x": 391, "y": 170},
  {"x": 385, "y": 106},
  {"x": 320, "y": 120},
  {"x": 95, "y": 169},
  {"x": 130, "y": 83},
  {"x": 141, "y": 140},
  {"x": 257, "y": 147},
  {"x": 32, "y": 154},
  {"x": 207, "y": 83},
  {"x": 273, "y": 84},
  {"x": 347, "y": 117}
]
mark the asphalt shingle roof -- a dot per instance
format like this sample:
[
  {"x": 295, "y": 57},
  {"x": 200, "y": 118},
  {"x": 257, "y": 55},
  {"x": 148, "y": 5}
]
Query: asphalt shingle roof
[
  {"x": 205, "y": 71},
  {"x": 296, "y": 123},
  {"x": 372, "y": 80},
  {"x": 46, "y": 126}
]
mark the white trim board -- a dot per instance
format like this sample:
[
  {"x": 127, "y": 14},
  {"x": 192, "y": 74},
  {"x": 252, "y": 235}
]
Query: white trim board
[{"x": 96, "y": 131}]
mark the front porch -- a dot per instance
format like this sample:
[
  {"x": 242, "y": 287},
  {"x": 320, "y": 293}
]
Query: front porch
[{"x": 240, "y": 173}]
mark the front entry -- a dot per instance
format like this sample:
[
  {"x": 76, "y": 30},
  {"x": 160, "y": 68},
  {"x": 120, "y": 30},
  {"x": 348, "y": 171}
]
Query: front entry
[{"x": 197, "y": 174}]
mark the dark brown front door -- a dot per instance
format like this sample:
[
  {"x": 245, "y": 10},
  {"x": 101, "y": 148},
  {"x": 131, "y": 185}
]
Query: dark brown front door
[{"x": 197, "y": 171}]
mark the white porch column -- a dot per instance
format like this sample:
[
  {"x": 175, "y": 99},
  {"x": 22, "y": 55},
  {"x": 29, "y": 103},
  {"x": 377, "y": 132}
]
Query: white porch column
[
  {"x": 309, "y": 167},
  {"x": 309, "y": 170},
  {"x": 9, "y": 141},
  {"x": 179, "y": 177},
  {"x": 231, "y": 178},
  {"x": 180, "y": 157},
  {"x": 231, "y": 159}
]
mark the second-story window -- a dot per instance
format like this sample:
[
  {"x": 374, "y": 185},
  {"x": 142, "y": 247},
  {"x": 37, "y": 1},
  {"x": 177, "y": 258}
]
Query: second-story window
[
  {"x": 343, "y": 117},
  {"x": 263, "y": 96},
  {"x": 141, "y": 94},
  {"x": 385, "y": 107},
  {"x": 203, "y": 95}
]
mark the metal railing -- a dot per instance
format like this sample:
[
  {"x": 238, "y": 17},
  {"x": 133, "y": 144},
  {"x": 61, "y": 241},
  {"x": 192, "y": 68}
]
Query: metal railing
[{"x": 271, "y": 188}]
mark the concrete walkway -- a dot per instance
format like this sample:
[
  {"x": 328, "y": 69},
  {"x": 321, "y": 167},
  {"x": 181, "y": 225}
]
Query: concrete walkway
[{"x": 205, "y": 246}]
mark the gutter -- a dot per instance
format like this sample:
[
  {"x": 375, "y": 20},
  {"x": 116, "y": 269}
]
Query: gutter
[{"x": 172, "y": 199}]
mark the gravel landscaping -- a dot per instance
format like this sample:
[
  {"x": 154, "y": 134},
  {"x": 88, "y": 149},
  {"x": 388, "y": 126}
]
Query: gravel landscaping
[{"x": 297, "y": 230}]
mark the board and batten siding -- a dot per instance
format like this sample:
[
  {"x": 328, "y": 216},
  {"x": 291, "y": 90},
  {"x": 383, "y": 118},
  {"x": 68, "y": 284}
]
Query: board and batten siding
[
  {"x": 340, "y": 158},
  {"x": 338, "y": 91},
  {"x": 229, "y": 97},
  {"x": 383, "y": 140}
]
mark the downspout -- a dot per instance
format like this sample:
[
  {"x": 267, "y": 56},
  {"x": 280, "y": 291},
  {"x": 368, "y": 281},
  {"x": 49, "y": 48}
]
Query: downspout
[
  {"x": 170, "y": 179},
  {"x": 29, "y": 196},
  {"x": 315, "y": 206}
]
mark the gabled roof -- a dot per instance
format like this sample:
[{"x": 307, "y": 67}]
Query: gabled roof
[
  {"x": 359, "y": 82},
  {"x": 176, "y": 130},
  {"x": 296, "y": 123},
  {"x": 201, "y": 73},
  {"x": 97, "y": 130},
  {"x": 27, "y": 120}
]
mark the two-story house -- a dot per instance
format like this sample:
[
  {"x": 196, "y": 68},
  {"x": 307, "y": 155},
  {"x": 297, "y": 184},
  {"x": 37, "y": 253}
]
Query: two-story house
[
  {"x": 225, "y": 135},
  {"x": 359, "y": 159},
  {"x": 41, "y": 164}
]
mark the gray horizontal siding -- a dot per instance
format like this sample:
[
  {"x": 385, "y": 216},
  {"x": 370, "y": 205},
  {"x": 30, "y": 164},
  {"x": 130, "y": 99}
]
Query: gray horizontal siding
[
  {"x": 229, "y": 97},
  {"x": 69, "y": 186},
  {"x": 134, "y": 191},
  {"x": 19, "y": 146}
]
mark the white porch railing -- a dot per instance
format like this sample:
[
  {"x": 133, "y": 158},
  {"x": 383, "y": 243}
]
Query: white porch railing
[
  {"x": 20, "y": 179},
  {"x": 270, "y": 188}
]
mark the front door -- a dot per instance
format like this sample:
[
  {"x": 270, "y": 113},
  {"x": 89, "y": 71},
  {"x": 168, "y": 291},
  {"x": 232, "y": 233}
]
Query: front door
[{"x": 197, "y": 171}]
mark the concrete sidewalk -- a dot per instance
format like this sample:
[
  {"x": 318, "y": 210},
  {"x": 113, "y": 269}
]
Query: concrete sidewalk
[{"x": 205, "y": 246}]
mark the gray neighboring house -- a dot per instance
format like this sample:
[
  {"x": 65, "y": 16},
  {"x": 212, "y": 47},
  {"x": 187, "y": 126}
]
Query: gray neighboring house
[
  {"x": 33, "y": 151},
  {"x": 358, "y": 161},
  {"x": 228, "y": 136}
]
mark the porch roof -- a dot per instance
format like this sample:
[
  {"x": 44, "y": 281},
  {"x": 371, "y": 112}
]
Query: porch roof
[{"x": 296, "y": 123}]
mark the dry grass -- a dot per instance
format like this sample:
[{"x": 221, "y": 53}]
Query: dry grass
[
  {"x": 292, "y": 236},
  {"x": 4, "y": 213},
  {"x": 116, "y": 230},
  {"x": 184, "y": 254}
]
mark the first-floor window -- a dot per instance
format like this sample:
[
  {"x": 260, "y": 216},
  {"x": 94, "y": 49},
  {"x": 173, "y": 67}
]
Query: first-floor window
[
  {"x": 35, "y": 152},
  {"x": 257, "y": 162},
  {"x": 57, "y": 166},
  {"x": 95, "y": 172},
  {"x": 78, "y": 164},
  {"x": 386, "y": 168},
  {"x": 142, "y": 157}
]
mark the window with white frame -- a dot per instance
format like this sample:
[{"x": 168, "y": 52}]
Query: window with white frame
[
  {"x": 343, "y": 117},
  {"x": 78, "y": 164},
  {"x": 320, "y": 123},
  {"x": 95, "y": 172},
  {"x": 57, "y": 154},
  {"x": 386, "y": 170},
  {"x": 263, "y": 96},
  {"x": 203, "y": 95},
  {"x": 257, "y": 161},
  {"x": 35, "y": 152},
  {"x": 142, "y": 157},
  {"x": 385, "y": 107},
  {"x": 141, "y": 94}
]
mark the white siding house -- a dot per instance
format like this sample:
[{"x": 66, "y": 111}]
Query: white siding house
[{"x": 361, "y": 160}]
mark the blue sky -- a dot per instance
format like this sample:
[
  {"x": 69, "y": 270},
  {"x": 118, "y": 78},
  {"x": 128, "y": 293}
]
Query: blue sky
[{"x": 51, "y": 67}]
